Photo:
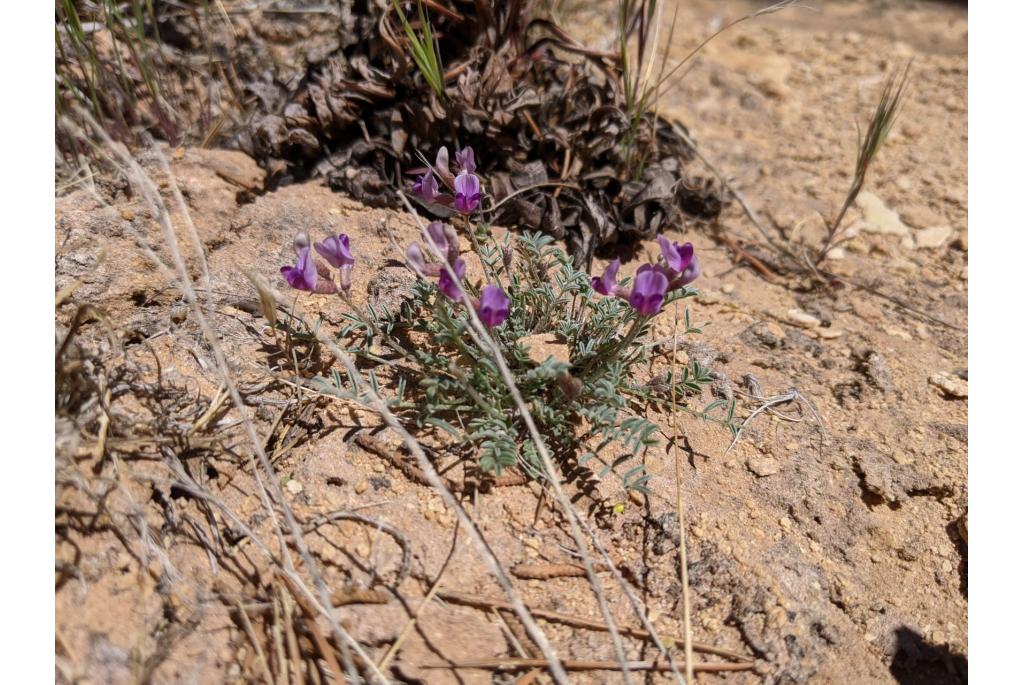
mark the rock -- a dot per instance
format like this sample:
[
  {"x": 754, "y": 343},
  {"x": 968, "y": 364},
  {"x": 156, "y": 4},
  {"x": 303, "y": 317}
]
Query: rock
[
  {"x": 857, "y": 246},
  {"x": 802, "y": 318},
  {"x": 830, "y": 333},
  {"x": 763, "y": 466},
  {"x": 878, "y": 218},
  {"x": 728, "y": 288},
  {"x": 882, "y": 476},
  {"x": 921, "y": 216},
  {"x": 961, "y": 527},
  {"x": 874, "y": 368},
  {"x": 868, "y": 310},
  {"x": 949, "y": 384},
  {"x": 960, "y": 242},
  {"x": 293, "y": 486},
  {"x": 931, "y": 238},
  {"x": 361, "y": 487}
]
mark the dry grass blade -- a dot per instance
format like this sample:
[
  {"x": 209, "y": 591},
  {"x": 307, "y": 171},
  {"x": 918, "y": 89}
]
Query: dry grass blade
[
  {"x": 148, "y": 190},
  {"x": 888, "y": 108},
  {"x": 684, "y": 573}
]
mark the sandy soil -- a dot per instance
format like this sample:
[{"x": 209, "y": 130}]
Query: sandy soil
[{"x": 830, "y": 553}]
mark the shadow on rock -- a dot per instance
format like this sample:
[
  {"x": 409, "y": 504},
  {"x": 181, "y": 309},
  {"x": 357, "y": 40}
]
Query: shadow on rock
[{"x": 918, "y": 663}]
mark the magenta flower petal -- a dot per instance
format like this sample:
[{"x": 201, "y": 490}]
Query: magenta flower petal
[
  {"x": 494, "y": 306},
  {"x": 302, "y": 276},
  {"x": 452, "y": 289},
  {"x": 465, "y": 159},
  {"x": 426, "y": 187},
  {"x": 467, "y": 192},
  {"x": 336, "y": 251},
  {"x": 607, "y": 283},
  {"x": 677, "y": 256},
  {"x": 648, "y": 290}
]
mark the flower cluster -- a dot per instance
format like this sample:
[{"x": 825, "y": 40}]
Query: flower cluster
[
  {"x": 678, "y": 267},
  {"x": 312, "y": 275},
  {"x": 464, "y": 190},
  {"x": 493, "y": 304}
]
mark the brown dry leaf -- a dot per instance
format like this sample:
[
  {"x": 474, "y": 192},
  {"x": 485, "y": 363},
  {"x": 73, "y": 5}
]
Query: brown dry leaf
[{"x": 540, "y": 346}]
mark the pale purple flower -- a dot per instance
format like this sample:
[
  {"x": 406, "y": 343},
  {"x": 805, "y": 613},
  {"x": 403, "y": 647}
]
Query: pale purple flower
[
  {"x": 689, "y": 274},
  {"x": 435, "y": 229},
  {"x": 494, "y": 306},
  {"x": 648, "y": 290},
  {"x": 467, "y": 192},
  {"x": 607, "y": 284},
  {"x": 345, "y": 278},
  {"x": 451, "y": 288},
  {"x": 441, "y": 166},
  {"x": 302, "y": 276},
  {"x": 426, "y": 187},
  {"x": 465, "y": 159},
  {"x": 677, "y": 256},
  {"x": 414, "y": 257},
  {"x": 335, "y": 250}
]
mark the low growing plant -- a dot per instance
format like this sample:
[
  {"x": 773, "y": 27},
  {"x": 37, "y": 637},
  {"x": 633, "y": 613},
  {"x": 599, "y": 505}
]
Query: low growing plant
[{"x": 587, "y": 398}]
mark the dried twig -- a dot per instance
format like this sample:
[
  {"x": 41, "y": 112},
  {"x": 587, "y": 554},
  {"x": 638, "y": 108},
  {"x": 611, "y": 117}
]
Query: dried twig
[
  {"x": 482, "y": 602},
  {"x": 518, "y": 664},
  {"x": 549, "y": 571}
]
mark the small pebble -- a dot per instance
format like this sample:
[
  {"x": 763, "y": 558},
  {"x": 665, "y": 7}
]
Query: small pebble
[
  {"x": 361, "y": 487},
  {"x": 802, "y": 318},
  {"x": 763, "y": 466},
  {"x": 293, "y": 486},
  {"x": 949, "y": 384}
]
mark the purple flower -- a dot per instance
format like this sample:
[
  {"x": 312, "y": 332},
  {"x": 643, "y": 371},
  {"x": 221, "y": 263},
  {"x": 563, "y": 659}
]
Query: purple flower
[
  {"x": 435, "y": 229},
  {"x": 414, "y": 256},
  {"x": 426, "y": 187},
  {"x": 494, "y": 306},
  {"x": 446, "y": 285},
  {"x": 678, "y": 257},
  {"x": 607, "y": 284},
  {"x": 467, "y": 192},
  {"x": 442, "y": 167},
  {"x": 648, "y": 290},
  {"x": 336, "y": 251},
  {"x": 466, "y": 159},
  {"x": 690, "y": 273},
  {"x": 302, "y": 276}
]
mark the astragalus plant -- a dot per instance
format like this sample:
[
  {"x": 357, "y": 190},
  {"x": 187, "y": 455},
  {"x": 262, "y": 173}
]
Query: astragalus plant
[{"x": 578, "y": 346}]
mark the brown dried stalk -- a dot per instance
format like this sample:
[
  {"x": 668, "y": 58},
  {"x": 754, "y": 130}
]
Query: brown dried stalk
[
  {"x": 519, "y": 664},
  {"x": 480, "y": 602}
]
